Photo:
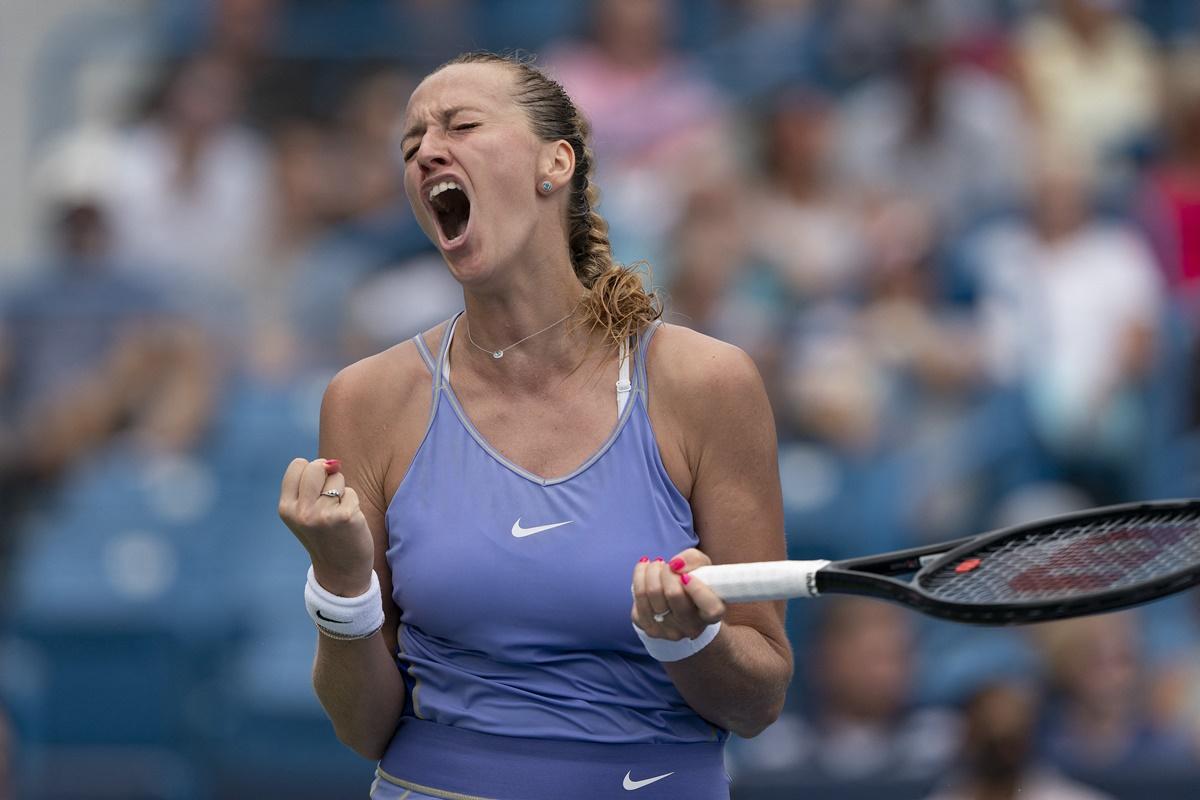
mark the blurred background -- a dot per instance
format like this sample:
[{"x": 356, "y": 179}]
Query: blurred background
[{"x": 961, "y": 238}]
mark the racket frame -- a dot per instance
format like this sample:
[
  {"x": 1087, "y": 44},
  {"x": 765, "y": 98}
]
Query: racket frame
[{"x": 875, "y": 576}]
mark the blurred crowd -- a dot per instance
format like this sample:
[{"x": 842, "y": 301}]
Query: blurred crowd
[{"x": 961, "y": 239}]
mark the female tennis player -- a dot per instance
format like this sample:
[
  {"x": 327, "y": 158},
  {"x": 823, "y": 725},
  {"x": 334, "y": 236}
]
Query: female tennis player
[{"x": 512, "y": 475}]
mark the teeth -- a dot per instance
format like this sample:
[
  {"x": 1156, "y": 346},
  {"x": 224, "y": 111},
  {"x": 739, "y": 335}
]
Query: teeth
[{"x": 441, "y": 187}]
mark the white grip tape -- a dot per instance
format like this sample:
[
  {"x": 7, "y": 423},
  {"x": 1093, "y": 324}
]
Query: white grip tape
[
  {"x": 344, "y": 617},
  {"x": 762, "y": 580},
  {"x": 670, "y": 650}
]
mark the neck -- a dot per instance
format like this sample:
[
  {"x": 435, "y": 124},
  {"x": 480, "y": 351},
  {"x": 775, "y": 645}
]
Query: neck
[{"x": 500, "y": 321}]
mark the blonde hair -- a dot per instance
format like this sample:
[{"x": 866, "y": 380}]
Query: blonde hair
[{"x": 616, "y": 304}]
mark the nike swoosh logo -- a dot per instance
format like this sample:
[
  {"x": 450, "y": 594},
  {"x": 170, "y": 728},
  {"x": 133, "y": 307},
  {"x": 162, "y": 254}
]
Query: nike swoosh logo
[
  {"x": 631, "y": 785},
  {"x": 330, "y": 619},
  {"x": 520, "y": 532}
]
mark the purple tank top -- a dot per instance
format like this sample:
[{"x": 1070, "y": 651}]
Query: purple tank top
[{"x": 514, "y": 589}]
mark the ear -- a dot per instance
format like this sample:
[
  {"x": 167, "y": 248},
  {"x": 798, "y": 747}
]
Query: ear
[{"x": 557, "y": 163}]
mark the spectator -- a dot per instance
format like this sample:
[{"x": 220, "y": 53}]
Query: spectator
[
  {"x": 1089, "y": 72},
  {"x": 366, "y": 166},
  {"x": 305, "y": 189},
  {"x": 1172, "y": 638},
  {"x": 1169, "y": 203},
  {"x": 929, "y": 352},
  {"x": 766, "y": 45},
  {"x": 861, "y": 39},
  {"x": 341, "y": 215},
  {"x": 244, "y": 29},
  {"x": 368, "y": 128},
  {"x": 188, "y": 172},
  {"x": 833, "y": 390},
  {"x": 932, "y": 347},
  {"x": 863, "y": 725},
  {"x": 949, "y": 136},
  {"x": 94, "y": 352},
  {"x": 1099, "y": 717},
  {"x": 1070, "y": 306},
  {"x": 878, "y": 380},
  {"x": 658, "y": 123},
  {"x": 711, "y": 283},
  {"x": 804, "y": 224},
  {"x": 998, "y": 760},
  {"x": 345, "y": 174},
  {"x": 643, "y": 97}
]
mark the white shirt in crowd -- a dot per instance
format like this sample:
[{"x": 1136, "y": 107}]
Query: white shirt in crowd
[
  {"x": 1056, "y": 314},
  {"x": 211, "y": 233}
]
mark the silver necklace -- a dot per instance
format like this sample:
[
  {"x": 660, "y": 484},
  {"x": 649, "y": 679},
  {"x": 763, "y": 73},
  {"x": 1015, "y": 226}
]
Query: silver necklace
[{"x": 500, "y": 353}]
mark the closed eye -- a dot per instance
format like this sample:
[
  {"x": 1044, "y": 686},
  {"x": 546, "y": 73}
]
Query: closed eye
[{"x": 465, "y": 126}]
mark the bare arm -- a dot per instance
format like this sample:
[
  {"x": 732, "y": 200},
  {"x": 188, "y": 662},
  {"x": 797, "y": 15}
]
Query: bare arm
[
  {"x": 357, "y": 682},
  {"x": 726, "y": 437}
]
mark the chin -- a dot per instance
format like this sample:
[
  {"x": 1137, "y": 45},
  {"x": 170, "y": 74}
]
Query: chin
[{"x": 470, "y": 268}]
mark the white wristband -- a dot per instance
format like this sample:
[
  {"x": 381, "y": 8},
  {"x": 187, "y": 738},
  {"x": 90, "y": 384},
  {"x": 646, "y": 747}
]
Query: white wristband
[
  {"x": 669, "y": 650},
  {"x": 344, "y": 617}
]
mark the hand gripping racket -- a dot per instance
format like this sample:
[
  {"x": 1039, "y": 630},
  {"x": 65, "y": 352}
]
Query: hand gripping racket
[{"x": 1082, "y": 563}]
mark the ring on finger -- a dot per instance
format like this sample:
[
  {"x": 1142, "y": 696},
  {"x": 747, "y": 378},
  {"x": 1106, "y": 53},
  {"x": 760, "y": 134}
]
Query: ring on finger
[
  {"x": 661, "y": 615},
  {"x": 331, "y": 493}
]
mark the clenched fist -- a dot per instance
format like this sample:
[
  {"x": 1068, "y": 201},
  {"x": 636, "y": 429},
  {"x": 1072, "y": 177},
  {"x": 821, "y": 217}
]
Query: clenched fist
[
  {"x": 323, "y": 513},
  {"x": 668, "y": 603}
]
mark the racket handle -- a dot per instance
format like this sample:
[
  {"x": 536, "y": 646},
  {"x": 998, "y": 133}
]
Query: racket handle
[{"x": 762, "y": 580}]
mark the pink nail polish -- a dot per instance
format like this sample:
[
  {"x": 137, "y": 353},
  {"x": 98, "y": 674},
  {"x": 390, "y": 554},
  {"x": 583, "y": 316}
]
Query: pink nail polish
[
  {"x": 658, "y": 560},
  {"x": 332, "y": 465},
  {"x": 643, "y": 559},
  {"x": 677, "y": 564},
  {"x": 685, "y": 578}
]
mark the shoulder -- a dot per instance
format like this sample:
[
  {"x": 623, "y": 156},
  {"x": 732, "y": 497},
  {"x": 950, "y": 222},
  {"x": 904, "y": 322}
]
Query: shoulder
[
  {"x": 706, "y": 393},
  {"x": 694, "y": 368},
  {"x": 388, "y": 377},
  {"x": 373, "y": 397}
]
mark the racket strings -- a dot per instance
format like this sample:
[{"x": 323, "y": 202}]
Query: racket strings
[{"x": 1072, "y": 560}]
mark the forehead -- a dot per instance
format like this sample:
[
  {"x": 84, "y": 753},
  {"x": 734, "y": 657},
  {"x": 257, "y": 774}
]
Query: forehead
[{"x": 487, "y": 87}]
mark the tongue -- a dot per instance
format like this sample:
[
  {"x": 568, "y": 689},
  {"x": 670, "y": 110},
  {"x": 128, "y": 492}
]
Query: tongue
[{"x": 453, "y": 212}]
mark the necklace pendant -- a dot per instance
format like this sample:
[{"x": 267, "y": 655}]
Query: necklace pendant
[{"x": 497, "y": 354}]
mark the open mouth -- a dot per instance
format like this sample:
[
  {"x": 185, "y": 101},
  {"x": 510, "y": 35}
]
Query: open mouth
[{"x": 451, "y": 208}]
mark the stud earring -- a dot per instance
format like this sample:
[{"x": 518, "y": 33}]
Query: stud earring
[{"x": 547, "y": 186}]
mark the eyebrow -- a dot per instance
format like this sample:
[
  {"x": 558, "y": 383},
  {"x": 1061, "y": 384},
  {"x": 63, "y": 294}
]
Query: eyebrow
[{"x": 418, "y": 128}]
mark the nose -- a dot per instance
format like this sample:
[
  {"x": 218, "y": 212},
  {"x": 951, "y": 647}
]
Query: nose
[{"x": 432, "y": 154}]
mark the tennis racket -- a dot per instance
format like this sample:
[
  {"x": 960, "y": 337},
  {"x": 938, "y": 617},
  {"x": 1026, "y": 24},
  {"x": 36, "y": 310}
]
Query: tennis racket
[{"x": 1088, "y": 562}]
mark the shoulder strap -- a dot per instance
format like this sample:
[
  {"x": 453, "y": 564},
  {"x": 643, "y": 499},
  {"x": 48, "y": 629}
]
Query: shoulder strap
[
  {"x": 641, "y": 383},
  {"x": 426, "y": 356},
  {"x": 434, "y": 365}
]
